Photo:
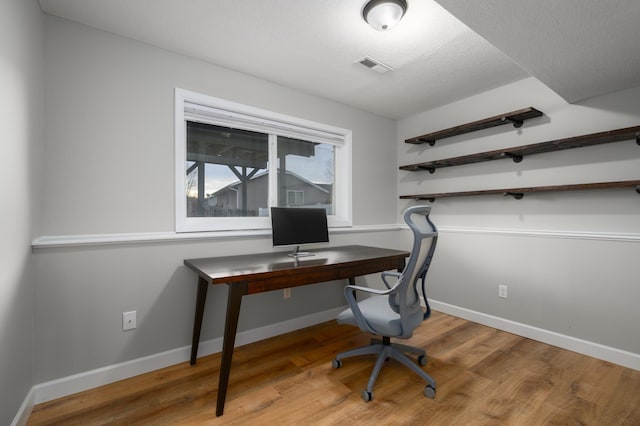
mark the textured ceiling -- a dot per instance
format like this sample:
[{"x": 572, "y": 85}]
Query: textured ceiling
[
  {"x": 579, "y": 48},
  {"x": 312, "y": 46}
]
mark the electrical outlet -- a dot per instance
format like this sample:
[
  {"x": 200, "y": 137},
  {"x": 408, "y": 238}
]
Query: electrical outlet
[
  {"x": 502, "y": 291},
  {"x": 287, "y": 293},
  {"x": 129, "y": 320}
]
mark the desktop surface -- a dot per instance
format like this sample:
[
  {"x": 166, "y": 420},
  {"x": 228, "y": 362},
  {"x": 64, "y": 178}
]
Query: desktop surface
[{"x": 278, "y": 265}]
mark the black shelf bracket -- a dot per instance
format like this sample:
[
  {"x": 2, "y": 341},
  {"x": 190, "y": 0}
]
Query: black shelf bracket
[
  {"x": 517, "y": 158},
  {"x": 517, "y": 123},
  {"x": 431, "y": 170},
  {"x": 638, "y": 138},
  {"x": 516, "y": 195},
  {"x": 638, "y": 189}
]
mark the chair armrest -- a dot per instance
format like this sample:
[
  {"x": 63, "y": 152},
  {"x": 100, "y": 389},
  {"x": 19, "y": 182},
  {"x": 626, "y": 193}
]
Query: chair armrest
[
  {"x": 386, "y": 274},
  {"x": 349, "y": 293},
  {"x": 368, "y": 290}
]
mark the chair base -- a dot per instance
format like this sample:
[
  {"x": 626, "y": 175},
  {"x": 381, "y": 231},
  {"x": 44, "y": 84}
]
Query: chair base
[{"x": 384, "y": 349}]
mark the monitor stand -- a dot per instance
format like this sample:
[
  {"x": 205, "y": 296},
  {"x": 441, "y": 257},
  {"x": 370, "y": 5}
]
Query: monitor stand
[{"x": 297, "y": 253}]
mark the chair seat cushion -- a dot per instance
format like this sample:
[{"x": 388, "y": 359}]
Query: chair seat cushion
[{"x": 380, "y": 317}]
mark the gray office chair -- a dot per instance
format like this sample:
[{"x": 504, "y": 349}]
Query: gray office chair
[{"x": 396, "y": 311}]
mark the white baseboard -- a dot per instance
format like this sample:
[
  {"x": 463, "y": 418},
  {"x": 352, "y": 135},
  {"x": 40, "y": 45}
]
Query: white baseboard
[
  {"x": 65, "y": 386},
  {"x": 596, "y": 350},
  {"x": 24, "y": 412}
]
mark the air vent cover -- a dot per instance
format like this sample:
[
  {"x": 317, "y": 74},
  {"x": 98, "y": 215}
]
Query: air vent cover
[{"x": 374, "y": 65}]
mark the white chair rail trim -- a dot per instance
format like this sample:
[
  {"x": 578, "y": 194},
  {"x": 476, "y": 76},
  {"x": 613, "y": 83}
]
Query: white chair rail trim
[
  {"x": 50, "y": 241},
  {"x": 541, "y": 233}
]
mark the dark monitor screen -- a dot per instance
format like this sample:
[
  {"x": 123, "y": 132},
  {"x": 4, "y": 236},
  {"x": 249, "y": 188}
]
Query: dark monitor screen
[{"x": 298, "y": 225}]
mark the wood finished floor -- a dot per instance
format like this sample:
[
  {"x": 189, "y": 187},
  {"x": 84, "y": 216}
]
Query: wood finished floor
[{"x": 484, "y": 376}]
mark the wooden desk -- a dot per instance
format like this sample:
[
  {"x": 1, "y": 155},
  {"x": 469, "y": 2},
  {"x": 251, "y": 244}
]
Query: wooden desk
[{"x": 256, "y": 273}]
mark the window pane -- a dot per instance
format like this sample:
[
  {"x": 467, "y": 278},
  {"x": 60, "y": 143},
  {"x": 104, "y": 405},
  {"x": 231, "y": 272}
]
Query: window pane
[
  {"x": 305, "y": 174},
  {"x": 226, "y": 172}
]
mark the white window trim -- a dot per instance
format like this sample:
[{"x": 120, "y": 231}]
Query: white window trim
[{"x": 207, "y": 109}]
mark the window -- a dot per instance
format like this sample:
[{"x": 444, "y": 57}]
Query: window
[
  {"x": 295, "y": 198},
  {"x": 233, "y": 162}
]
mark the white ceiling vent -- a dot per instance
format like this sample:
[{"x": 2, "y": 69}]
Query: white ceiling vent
[{"x": 373, "y": 64}]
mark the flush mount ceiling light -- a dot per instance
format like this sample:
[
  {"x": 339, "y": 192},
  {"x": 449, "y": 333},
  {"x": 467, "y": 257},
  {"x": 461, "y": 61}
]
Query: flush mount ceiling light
[{"x": 384, "y": 14}]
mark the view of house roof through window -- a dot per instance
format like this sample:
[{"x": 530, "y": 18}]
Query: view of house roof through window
[{"x": 227, "y": 172}]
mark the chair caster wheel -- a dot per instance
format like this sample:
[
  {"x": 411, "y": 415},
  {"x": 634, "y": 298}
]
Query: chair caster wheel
[
  {"x": 367, "y": 396},
  {"x": 429, "y": 391},
  {"x": 336, "y": 363},
  {"x": 422, "y": 360}
]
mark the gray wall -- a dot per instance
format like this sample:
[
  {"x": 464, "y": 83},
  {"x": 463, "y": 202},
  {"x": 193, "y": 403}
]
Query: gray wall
[
  {"x": 21, "y": 117},
  {"x": 568, "y": 258},
  {"x": 110, "y": 169}
]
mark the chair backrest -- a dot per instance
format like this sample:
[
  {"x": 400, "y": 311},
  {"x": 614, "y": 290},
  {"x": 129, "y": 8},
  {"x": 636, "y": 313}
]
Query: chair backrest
[{"x": 407, "y": 301}]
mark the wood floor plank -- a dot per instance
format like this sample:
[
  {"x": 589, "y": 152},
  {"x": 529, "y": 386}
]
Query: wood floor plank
[
  {"x": 623, "y": 404},
  {"x": 484, "y": 377}
]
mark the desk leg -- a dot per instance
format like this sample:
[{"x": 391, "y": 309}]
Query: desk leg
[
  {"x": 201, "y": 298},
  {"x": 236, "y": 291},
  {"x": 352, "y": 281}
]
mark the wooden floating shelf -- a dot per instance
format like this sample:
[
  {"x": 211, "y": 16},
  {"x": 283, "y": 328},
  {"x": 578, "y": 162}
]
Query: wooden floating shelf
[
  {"x": 518, "y": 153},
  {"x": 518, "y": 193},
  {"x": 516, "y": 118}
]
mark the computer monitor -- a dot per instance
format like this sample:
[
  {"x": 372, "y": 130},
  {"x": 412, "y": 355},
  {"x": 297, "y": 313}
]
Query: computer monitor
[{"x": 294, "y": 226}]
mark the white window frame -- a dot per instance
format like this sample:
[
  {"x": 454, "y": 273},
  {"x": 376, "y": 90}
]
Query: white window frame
[{"x": 206, "y": 109}]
